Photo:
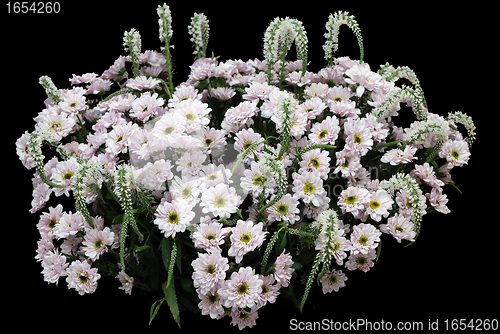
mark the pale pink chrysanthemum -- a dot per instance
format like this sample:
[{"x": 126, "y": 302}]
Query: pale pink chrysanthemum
[
  {"x": 73, "y": 100},
  {"x": 325, "y": 132},
  {"x": 241, "y": 113},
  {"x": 183, "y": 92},
  {"x": 195, "y": 112},
  {"x": 126, "y": 281},
  {"x": 71, "y": 244},
  {"x": 41, "y": 195},
  {"x": 245, "y": 237},
  {"x": 143, "y": 82},
  {"x": 438, "y": 200},
  {"x": 426, "y": 173},
  {"x": 254, "y": 180},
  {"x": 120, "y": 104},
  {"x": 222, "y": 93},
  {"x": 142, "y": 143},
  {"x": 209, "y": 235},
  {"x": 209, "y": 270},
  {"x": 283, "y": 269},
  {"x": 379, "y": 131},
  {"x": 379, "y": 204},
  {"x": 115, "y": 69},
  {"x": 344, "y": 109},
  {"x": 96, "y": 242},
  {"x": 62, "y": 174},
  {"x": 361, "y": 261},
  {"x": 340, "y": 245},
  {"x": 190, "y": 163},
  {"x": 22, "y": 150},
  {"x": 84, "y": 78},
  {"x": 311, "y": 108},
  {"x": 54, "y": 266},
  {"x": 44, "y": 245},
  {"x": 353, "y": 200},
  {"x": 213, "y": 141},
  {"x": 316, "y": 160},
  {"x": 211, "y": 175},
  {"x": 211, "y": 304},
  {"x": 82, "y": 278},
  {"x": 173, "y": 218},
  {"x": 99, "y": 86},
  {"x": 244, "y": 318},
  {"x": 338, "y": 94},
  {"x": 154, "y": 175},
  {"x": 242, "y": 289},
  {"x": 169, "y": 129},
  {"x": 185, "y": 190},
  {"x": 257, "y": 91},
  {"x": 309, "y": 187},
  {"x": 357, "y": 136},
  {"x": 247, "y": 137},
  {"x": 270, "y": 291},
  {"x": 400, "y": 227},
  {"x": 364, "y": 238},
  {"x": 49, "y": 220},
  {"x": 285, "y": 209},
  {"x": 333, "y": 280},
  {"x": 397, "y": 156},
  {"x": 403, "y": 201},
  {"x": 362, "y": 75},
  {"x": 69, "y": 224},
  {"x": 146, "y": 106},
  {"x": 456, "y": 152},
  {"x": 317, "y": 90},
  {"x": 348, "y": 163},
  {"x": 58, "y": 125},
  {"x": 221, "y": 200},
  {"x": 119, "y": 139}
]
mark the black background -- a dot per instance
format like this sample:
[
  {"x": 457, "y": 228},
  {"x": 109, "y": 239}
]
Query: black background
[{"x": 448, "y": 273}]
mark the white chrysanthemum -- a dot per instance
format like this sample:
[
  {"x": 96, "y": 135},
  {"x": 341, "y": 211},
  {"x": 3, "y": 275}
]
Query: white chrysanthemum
[{"x": 220, "y": 200}]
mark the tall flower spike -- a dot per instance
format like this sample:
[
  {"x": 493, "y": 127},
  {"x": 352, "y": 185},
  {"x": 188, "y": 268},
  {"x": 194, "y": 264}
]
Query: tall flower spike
[
  {"x": 199, "y": 31},
  {"x": 393, "y": 99},
  {"x": 416, "y": 198},
  {"x": 332, "y": 32},
  {"x": 465, "y": 120},
  {"x": 79, "y": 184},
  {"x": 132, "y": 44},
  {"x": 278, "y": 40},
  {"x": 276, "y": 169},
  {"x": 50, "y": 88},
  {"x": 327, "y": 223},
  {"x": 123, "y": 177},
  {"x": 165, "y": 24},
  {"x": 166, "y": 32},
  {"x": 286, "y": 111},
  {"x": 35, "y": 151},
  {"x": 393, "y": 74}
]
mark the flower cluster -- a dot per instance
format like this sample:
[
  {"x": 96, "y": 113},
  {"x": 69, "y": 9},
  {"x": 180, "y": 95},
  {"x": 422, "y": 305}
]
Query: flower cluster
[{"x": 242, "y": 179}]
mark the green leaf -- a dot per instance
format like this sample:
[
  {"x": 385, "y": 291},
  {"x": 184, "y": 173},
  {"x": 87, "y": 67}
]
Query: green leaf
[
  {"x": 290, "y": 294},
  {"x": 165, "y": 252},
  {"x": 282, "y": 244},
  {"x": 171, "y": 298},
  {"x": 154, "y": 309},
  {"x": 139, "y": 249},
  {"x": 98, "y": 191},
  {"x": 379, "y": 249},
  {"x": 178, "y": 256}
]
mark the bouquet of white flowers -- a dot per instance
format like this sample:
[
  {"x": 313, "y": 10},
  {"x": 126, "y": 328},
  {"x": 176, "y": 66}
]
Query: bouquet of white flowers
[{"x": 248, "y": 182}]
